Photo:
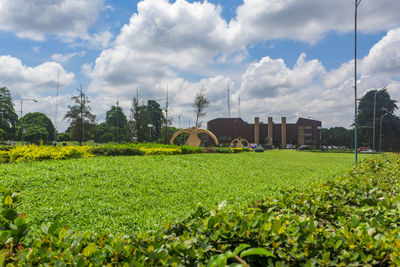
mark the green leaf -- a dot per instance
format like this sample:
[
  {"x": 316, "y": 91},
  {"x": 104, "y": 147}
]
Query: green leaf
[
  {"x": 53, "y": 228},
  {"x": 239, "y": 249},
  {"x": 8, "y": 200},
  {"x": 257, "y": 251}
]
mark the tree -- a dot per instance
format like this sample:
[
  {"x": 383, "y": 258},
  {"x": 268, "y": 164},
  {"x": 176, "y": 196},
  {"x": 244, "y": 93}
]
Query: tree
[
  {"x": 143, "y": 115},
  {"x": 81, "y": 119},
  {"x": 155, "y": 117},
  {"x": 337, "y": 136},
  {"x": 390, "y": 123},
  {"x": 35, "y": 133},
  {"x": 37, "y": 126},
  {"x": 117, "y": 124},
  {"x": 8, "y": 117},
  {"x": 200, "y": 104}
]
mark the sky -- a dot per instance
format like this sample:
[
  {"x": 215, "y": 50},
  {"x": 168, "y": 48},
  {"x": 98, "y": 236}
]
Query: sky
[{"x": 292, "y": 58}]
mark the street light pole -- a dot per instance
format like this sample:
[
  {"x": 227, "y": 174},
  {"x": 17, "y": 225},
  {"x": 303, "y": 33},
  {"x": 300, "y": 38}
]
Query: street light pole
[
  {"x": 380, "y": 132},
  {"x": 83, "y": 125},
  {"x": 356, "y": 4},
  {"x": 373, "y": 131}
]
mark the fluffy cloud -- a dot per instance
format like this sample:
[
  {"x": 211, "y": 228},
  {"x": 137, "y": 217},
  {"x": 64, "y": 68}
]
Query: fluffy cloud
[
  {"x": 270, "y": 77},
  {"x": 23, "y": 80},
  {"x": 309, "y": 20},
  {"x": 307, "y": 89},
  {"x": 35, "y": 19},
  {"x": 64, "y": 58},
  {"x": 164, "y": 42}
]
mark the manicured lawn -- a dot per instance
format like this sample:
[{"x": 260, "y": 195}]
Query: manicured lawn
[{"x": 124, "y": 194}]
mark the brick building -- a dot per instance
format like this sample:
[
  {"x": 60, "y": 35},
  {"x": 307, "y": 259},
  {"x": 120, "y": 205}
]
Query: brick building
[{"x": 303, "y": 132}]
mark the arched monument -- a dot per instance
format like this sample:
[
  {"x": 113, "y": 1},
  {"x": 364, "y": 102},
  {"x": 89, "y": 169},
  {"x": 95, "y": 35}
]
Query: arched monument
[
  {"x": 193, "y": 139},
  {"x": 240, "y": 142}
]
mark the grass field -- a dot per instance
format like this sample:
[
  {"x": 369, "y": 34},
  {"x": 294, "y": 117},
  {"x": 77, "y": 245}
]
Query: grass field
[{"x": 124, "y": 194}]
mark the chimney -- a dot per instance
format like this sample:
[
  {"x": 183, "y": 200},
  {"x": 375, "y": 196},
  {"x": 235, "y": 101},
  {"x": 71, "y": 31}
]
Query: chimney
[
  {"x": 257, "y": 130},
  {"x": 283, "y": 132},
  {"x": 270, "y": 131}
]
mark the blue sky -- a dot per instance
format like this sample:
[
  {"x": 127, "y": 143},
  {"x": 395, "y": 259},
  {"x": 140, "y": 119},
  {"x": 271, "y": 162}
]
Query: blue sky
[{"x": 283, "y": 58}]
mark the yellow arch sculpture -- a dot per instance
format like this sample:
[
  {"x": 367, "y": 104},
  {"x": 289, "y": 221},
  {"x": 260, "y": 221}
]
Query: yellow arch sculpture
[
  {"x": 193, "y": 139},
  {"x": 239, "y": 142}
]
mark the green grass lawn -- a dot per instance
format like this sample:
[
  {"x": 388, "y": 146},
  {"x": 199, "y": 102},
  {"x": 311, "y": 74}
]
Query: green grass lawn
[{"x": 124, "y": 194}]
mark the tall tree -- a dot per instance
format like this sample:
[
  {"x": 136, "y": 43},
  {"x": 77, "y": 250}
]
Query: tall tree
[
  {"x": 155, "y": 117},
  {"x": 390, "y": 122},
  {"x": 200, "y": 104},
  {"x": 8, "y": 117},
  {"x": 117, "y": 123},
  {"x": 37, "y": 126},
  {"x": 82, "y": 121}
]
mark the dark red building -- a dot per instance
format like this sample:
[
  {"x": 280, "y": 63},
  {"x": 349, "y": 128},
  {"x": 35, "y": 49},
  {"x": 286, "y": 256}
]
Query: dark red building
[{"x": 303, "y": 132}]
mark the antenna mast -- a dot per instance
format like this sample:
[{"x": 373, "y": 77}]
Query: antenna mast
[
  {"x": 240, "y": 115},
  {"x": 166, "y": 118},
  {"x": 55, "y": 117},
  {"x": 229, "y": 102}
]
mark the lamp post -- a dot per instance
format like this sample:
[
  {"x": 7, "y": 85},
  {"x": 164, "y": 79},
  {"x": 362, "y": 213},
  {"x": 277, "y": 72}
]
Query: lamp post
[
  {"x": 320, "y": 137},
  {"x": 150, "y": 126},
  {"x": 380, "y": 132},
  {"x": 83, "y": 125},
  {"x": 373, "y": 131},
  {"x": 356, "y": 4},
  {"x": 22, "y": 128}
]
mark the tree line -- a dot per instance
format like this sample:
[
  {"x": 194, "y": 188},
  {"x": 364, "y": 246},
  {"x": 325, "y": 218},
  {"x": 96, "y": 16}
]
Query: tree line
[
  {"x": 146, "y": 122},
  {"x": 389, "y": 133}
]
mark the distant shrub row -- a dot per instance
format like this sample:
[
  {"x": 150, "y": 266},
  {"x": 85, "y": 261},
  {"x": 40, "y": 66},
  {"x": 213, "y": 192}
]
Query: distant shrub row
[
  {"x": 37, "y": 153},
  {"x": 353, "y": 221}
]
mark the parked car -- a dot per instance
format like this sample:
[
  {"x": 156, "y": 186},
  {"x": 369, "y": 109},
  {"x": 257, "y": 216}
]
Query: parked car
[
  {"x": 365, "y": 149},
  {"x": 304, "y": 147}
]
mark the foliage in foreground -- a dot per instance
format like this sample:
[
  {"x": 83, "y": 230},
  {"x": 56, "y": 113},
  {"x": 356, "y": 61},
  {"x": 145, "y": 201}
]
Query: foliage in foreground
[
  {"x": 37, "y": 153},
  {"x": 353, "y": 220}
]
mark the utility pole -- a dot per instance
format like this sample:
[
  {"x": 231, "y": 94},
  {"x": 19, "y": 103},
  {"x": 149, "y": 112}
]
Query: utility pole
[
  {"x": 356, "y": 3},
  {"x": 83, "y": 125},
  {"x": 228, "y": 102},
  {"x": 373, "y": 133},
  {"x": 117, "y": 120},
  {"x": 55, "y": 117},
  {"x": 166, "y": 118},
  {"x": 240, "y": 115}
]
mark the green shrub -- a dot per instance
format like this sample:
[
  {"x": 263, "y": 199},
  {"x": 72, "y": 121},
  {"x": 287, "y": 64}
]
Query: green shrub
[
  {"x": 348, "y": 221},
  {"x": 114, "y": 150},
  {"x": 191, "y": 149},
  {"x": 223, "y": 149}
]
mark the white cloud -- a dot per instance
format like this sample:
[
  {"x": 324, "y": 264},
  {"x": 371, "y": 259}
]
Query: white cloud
[
  {"x": 309, "y": 20},
  {"x": 165, "y": 42},
  {"x": 269, "y": 78},
  {"x": 271, "y": 88},
  {"x": 64, "y": 58},
  {"x": 36, "y": 19},
  {"x": 101, "y": 40},
  {"x": 22, "y": 80}
]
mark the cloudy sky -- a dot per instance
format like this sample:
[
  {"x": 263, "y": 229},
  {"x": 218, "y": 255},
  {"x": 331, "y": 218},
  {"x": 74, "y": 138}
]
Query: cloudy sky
[{"x": 290, "y": 58}]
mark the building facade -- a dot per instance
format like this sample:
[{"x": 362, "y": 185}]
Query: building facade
[{"x": 303, "y": 132}]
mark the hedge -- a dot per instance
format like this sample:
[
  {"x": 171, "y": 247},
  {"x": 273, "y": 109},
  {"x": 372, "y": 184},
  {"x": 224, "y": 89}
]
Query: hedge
[{"x": 353, "y": 220}]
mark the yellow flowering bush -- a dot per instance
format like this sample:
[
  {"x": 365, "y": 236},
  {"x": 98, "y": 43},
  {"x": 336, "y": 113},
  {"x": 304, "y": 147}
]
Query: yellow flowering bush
[
  {"x": 37, "y": 153},
  {"x": 161, "y": 151}
]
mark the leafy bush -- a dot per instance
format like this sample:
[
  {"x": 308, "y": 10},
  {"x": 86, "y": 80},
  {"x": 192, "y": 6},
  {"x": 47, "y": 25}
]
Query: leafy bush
[
  {"x": 37, "y": 153},
  {"x": 115, "y": 151},
  {"x": 348, "y": 221},
  {"x": 191, "y": 149},
  {"x": 14, "y": 225},
  {"x": 161, "y": 151},
  {"x": 223, "y": 149}
]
